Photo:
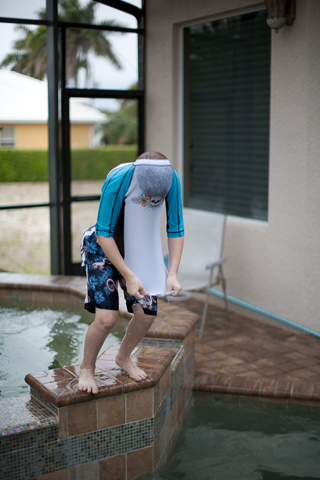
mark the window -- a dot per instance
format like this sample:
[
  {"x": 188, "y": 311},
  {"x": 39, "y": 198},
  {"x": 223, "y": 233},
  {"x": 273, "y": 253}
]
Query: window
[
  {"x": 226, "y": 115},
  {"x": 7, "y": 137},
  {"x": 73, "y": 54}
]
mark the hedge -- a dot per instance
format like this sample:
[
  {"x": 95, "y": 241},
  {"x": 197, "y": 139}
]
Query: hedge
[{"x": 86, "y": 164}]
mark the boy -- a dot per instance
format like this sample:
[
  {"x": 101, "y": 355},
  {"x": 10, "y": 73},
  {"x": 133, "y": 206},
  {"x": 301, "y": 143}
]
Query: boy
[{"x": 125, "y": 246}]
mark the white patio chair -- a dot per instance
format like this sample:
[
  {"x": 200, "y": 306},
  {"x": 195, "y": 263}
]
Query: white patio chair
[{"x": 202, "y": 261}]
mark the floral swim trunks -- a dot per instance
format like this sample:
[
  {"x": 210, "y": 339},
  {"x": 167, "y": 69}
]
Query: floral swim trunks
[{"x": 103, "y": 279}]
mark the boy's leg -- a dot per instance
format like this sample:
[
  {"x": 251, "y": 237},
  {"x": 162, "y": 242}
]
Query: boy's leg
[
  {"x": 101, "y": 299},
  {"x": 95, "y": 337},
  {"x": 136, "y": 330}
]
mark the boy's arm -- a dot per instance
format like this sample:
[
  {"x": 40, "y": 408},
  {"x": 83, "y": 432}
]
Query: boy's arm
[
  {"x": 112, "y": 196},
  {"x": 175, "y": 246},
  {"x": 175, "y": 232},
  {"x": 133, "y": 283}
]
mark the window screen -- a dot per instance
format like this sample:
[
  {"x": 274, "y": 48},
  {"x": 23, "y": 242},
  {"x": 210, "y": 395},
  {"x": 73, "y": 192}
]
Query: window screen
[{"x": 226, "y": 115}]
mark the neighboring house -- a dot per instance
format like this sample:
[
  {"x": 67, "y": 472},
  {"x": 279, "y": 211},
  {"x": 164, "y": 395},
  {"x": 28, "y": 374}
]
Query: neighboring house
[
  {"x": 24, "y": 115},
  {"x": 236, "y": 107}
]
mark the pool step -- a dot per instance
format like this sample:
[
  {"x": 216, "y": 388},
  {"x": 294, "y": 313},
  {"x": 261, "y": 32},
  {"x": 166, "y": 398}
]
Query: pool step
[
  {"x": 24, "y": 413},
  {"x": 59, "y": 387}
]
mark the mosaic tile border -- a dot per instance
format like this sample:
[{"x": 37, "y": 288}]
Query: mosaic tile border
[
  {"x": 35, "y": 438},
  {"x": 20, "y": 414},
  {"x": 41, "y": 452},
  {"x": 46, "y": 450},
  {"x": 47, "y": 457},
  {"x": 179, "y": 378}
]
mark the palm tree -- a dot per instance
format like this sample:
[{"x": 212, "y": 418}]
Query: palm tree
[
  {"x": 122, "y": 125},
  {"x": 122, "y": 128},
  {"x": 29, "y": 56}
]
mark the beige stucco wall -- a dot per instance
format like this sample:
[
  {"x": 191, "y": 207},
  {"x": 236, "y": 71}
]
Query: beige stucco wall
[
  {"x": 30, "y": 136},
  {"x": 80, "y": 136},
  {"x": 35, "y": 136},
  {"x": 274, "y": 266}
]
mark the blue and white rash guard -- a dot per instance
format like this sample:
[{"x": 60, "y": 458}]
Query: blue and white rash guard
[{"x": 139, "y": 190}]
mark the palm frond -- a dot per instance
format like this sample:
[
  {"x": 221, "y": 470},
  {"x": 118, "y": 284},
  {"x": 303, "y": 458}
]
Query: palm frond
[{"x": 29, "y": 50}]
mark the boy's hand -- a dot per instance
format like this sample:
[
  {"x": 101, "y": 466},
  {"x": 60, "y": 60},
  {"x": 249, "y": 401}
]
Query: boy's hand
[
  {"x": 135, "y": 287},
  {"x": 173, "y": 284}
]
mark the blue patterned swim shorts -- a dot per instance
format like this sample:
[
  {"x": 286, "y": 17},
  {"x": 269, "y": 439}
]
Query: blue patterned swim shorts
[{"x": 103, "y": 279}]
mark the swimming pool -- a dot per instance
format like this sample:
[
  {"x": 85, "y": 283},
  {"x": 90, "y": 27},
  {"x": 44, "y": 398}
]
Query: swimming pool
[
  {"x": 243, "y": 438},
  {"x": 35, "y": 337}
]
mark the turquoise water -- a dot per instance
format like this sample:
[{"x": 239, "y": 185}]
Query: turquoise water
[
  {"x": 237, "y": 438},
  {"x": 35, "y": 338}
]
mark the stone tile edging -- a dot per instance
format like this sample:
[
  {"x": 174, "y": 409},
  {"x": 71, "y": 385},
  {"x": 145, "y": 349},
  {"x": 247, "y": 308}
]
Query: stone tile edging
[
  {"x": 172, "y": 321},
  {"x": 60, "y": 386},
  {"x": 139, "y": 436},
  {"x": 257, "y": 386}
]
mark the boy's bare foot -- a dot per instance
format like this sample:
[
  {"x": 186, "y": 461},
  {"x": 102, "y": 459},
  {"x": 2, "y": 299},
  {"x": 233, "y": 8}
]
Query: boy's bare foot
[
  {"x": 87, "y": 381},
  {"x": 131, "y": 369}
]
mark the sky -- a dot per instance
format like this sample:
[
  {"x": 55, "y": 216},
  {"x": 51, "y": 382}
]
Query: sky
[{"x": 103, "y": 73}]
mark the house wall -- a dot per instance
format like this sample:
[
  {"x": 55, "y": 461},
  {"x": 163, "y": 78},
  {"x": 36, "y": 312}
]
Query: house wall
[
  {"x": 275, "y": 265},
  {"x": 81, "y": 136},
  {"x": 30, "y": 136},
  {"x": 35, "y": 136}
]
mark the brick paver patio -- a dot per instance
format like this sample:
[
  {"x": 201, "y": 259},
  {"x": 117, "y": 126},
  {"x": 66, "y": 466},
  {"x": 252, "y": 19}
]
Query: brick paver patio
[{"x": 248, "y": 356}]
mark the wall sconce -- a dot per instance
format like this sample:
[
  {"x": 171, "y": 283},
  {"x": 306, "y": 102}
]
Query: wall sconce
[{"x": 280, "y": 13}]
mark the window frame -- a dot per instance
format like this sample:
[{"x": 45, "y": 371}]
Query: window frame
[
  {"x": 59, "y": 122},
  {"x": 185, "y": 108},
  {"x": 12, "y": 137}
]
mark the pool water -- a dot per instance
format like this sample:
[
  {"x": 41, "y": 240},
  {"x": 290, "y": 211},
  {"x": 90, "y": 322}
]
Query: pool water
[
  {"x": 242, "y": 438},
  {"x": 36, "y": 337}
]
